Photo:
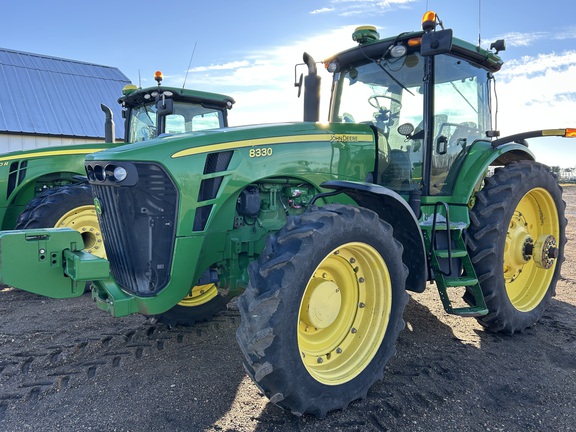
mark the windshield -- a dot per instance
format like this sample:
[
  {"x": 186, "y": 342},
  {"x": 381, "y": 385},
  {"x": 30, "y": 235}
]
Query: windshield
[
  {"x": 187, "y": 117},
  {"x": 390, "y": 92},
  {"x": 385, "y": 95}
]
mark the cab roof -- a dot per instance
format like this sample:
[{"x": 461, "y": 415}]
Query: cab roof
[
  {"x": 376, "y": 49},
  {"x": 138, "y": 96}
]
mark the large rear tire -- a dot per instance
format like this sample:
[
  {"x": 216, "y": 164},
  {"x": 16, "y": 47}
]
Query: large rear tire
[
  {"x": 70, "y": 206},
  {"x": 516, "y": 242},
  {"x": 323, "y": 309}
]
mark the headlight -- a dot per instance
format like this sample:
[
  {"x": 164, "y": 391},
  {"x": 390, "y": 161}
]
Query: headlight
[
  {"x": 332, "y": 67},
  {"x": 112, "y": 173},
  {"x": 120, "y": 173},
  {"x": 398, "y": 51}
]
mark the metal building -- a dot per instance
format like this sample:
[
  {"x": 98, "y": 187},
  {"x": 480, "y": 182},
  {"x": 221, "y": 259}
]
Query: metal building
[{"x": 47, "y": 101}]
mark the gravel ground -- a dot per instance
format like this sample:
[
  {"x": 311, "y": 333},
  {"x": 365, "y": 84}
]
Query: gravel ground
[{"x": 64, "y": 366}]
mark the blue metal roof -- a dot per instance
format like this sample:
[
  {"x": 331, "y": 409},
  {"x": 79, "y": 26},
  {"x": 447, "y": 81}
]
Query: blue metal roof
[{"x": 53, "y": 96}]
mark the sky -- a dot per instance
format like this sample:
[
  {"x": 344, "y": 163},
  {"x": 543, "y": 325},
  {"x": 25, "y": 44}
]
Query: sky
[{"x": 248, "y": 49}]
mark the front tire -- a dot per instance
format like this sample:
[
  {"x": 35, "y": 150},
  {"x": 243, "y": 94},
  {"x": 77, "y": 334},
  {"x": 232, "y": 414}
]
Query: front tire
[
  {"x": 516, "y": 242},
  {"x": 323, "y": 309},
  {"x": 200, "y": 305}
]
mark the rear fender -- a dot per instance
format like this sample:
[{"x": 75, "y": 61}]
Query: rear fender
[
  {"x": 392, "y": 208},
  {"x": 480, "y": 157}
]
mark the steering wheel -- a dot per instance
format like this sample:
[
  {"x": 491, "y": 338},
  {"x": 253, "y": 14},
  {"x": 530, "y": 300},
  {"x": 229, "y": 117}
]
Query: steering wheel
[{"x": 373, "y": 101}]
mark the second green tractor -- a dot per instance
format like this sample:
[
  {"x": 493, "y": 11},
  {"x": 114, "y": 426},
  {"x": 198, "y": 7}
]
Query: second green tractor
[{"x": 48, "y": 187}]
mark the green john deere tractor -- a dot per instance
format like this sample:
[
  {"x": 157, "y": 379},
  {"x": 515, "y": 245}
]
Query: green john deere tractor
[
  {"x": 324, "y": 227},
  {"x": 48, "y": 187}
]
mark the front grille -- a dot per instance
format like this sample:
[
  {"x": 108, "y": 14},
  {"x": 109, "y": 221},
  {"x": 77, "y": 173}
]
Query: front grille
[{"x": 138, "y": 225}]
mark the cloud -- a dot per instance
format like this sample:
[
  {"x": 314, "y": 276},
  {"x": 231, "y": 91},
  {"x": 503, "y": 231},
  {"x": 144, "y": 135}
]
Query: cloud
[
  {"x": 569, "y": 33},
  {"x": 538, "y": 65},
  {"x": 323, "y": 10},
  {"x": 360, "y": 7},
  {"x": 537, "y": 92},
  {"x": 262, "y": 82},
  {"x": 518, "y": 39},
  {"x": 515, "y": 39},
  {"x": 225, "y": 66},
  {"x": 269, "y": 68}
]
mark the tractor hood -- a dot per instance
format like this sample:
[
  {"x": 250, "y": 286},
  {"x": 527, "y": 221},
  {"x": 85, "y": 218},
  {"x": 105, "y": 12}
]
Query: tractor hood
[
  {"x": 172, "y": 147},
  {"x": 65, "y": 150}
]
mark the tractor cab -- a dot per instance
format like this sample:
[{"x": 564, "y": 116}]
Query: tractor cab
[
  {"x": 425, "y": 94},
  {"x": 152, "y": 112}
]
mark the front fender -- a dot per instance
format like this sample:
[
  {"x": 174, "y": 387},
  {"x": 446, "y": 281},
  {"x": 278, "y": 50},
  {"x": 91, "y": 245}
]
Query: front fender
[{"x": 392, "y": 208}]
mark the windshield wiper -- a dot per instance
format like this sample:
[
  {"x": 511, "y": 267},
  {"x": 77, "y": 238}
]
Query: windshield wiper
[
  {"x": 385, "y": 71},
  {"x": 463, "y": 97},
  {"x": 392, "y": 77}
]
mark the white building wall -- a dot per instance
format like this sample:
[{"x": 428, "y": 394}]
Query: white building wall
[{"x": 10, "y": 143}]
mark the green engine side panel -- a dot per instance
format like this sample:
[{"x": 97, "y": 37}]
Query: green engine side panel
[{"x": 299, "y": 156}]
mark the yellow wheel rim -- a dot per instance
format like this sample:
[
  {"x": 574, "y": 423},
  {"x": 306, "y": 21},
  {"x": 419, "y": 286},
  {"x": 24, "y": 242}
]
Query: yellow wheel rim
[
  {"x": 84, "y": 220},
  {"x": 344, "y": 313},
  {"x": 200, "y": 295},
  {"x": 535, "y": 217}
]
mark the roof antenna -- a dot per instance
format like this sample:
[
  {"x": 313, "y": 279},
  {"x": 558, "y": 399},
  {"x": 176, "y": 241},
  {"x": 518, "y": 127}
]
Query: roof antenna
[
  {"x": 189, "y": 63},
  {"x": 479, "y": 22},
  {"x": 139, "y": 79}
]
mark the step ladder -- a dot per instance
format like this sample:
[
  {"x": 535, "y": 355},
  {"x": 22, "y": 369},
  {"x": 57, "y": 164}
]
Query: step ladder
[{"x": 444, "y": 274}]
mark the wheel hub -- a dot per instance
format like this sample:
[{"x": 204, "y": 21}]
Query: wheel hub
[
  {"x": 323, "y": 303},
  {"x": 545, "y": 251},
  {"x": 519, "y": 246}
]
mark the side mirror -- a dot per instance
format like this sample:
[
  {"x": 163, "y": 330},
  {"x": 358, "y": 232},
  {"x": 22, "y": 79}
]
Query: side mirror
[
  {"x": 164, "y": 106},
  {"x": 299, "y": 84},
  {"x": 436, "y": 42},
  {"x": 441, "y": 145}
]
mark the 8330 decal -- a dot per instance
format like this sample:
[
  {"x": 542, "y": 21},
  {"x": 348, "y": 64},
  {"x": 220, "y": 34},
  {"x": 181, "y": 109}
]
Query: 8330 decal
[{"x": 260, "y": 152}]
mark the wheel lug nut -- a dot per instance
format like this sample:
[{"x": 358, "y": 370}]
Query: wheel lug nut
[
  {"x": 361, "y": 305},
  {"x": 361, "y": 280},
  {"x": 338, "y": 350},
  {"x": 353, "y": 330},
  {"x": 319, "y": 360},
  {"x": 352, "y": 260}
]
